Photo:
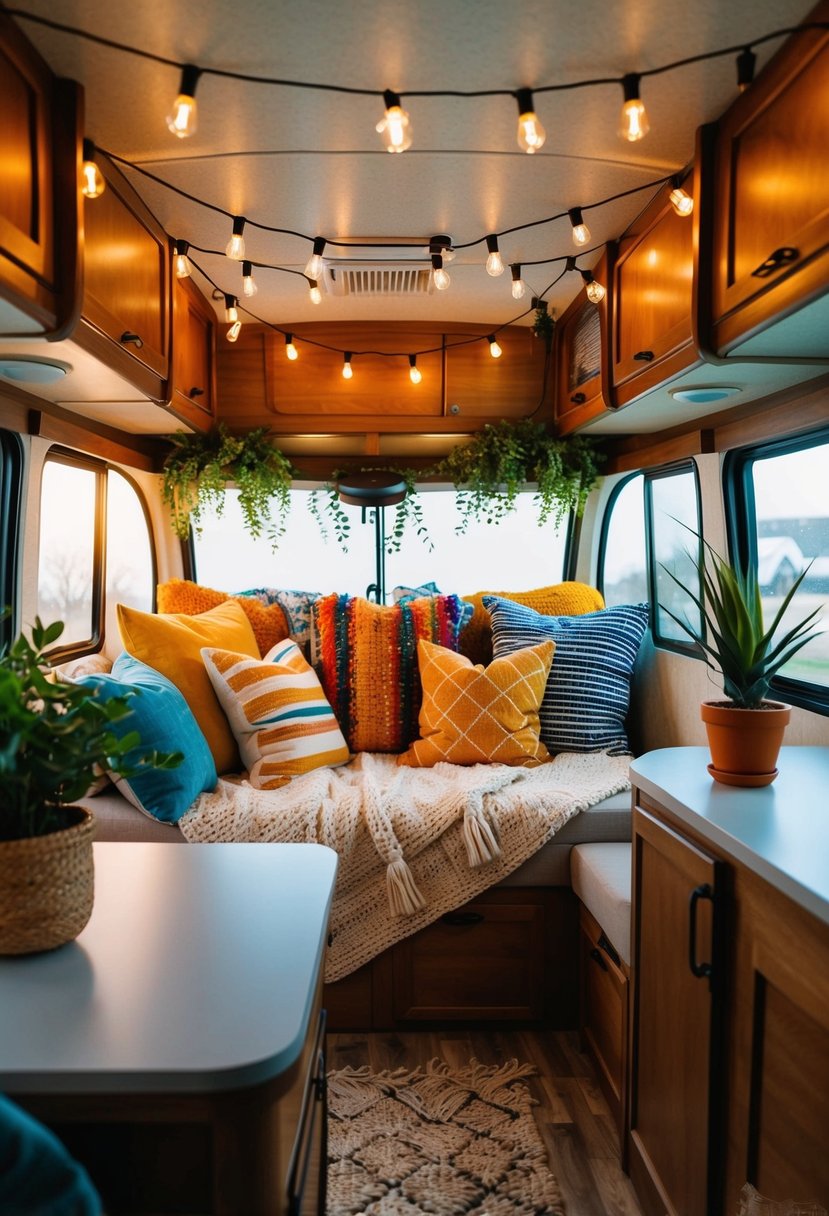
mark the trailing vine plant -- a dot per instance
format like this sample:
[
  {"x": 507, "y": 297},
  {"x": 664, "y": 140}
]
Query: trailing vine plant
[
  {"x": 408, "y": 514},
  {"x": 325, "y": 501}
]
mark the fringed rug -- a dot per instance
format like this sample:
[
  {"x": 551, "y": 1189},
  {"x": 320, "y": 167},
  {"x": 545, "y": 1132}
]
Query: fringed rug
[{"x": 443, "y": 1141}]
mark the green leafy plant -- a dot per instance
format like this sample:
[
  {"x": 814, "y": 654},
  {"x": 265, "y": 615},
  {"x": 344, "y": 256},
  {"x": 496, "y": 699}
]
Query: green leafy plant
[
  {"x": 326, "y": 509},
  {"x": 200, "y": 467},
  {"x": 491, "y": 470},
  {"x": 543, "y": 324},
  {"x": 735, "y": 642},
  {"x": 55, "y": 738}
]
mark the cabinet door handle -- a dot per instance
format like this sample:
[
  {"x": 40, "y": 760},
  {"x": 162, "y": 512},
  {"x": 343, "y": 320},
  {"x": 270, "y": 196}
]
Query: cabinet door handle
[
  {"x": 783, "y": 256},
  {"x": 462, "y": 918},
  {"x": 705, "y": 891},
  {"x": 135, "y": 339},
  {"x": 596, "y": 956},
  {"x": 578, "y": 399},
  {"x": 644, "y": 356},
  {"x": 196, "y": 392}
]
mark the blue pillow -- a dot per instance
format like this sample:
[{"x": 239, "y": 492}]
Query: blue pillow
[
  {"x": 165, "y": 723},
  {"x": 587, "y": 696}
]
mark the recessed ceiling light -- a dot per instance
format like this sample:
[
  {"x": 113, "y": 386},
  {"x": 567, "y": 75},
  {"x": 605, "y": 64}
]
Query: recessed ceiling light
[
  {"x": 704, "y": 395},
  {"x": 25, "y": 370}
]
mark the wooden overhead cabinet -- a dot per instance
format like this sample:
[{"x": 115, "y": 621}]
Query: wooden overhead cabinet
[
  {"x": 580, "y": 344},
  {"x": 194, "y": 356}
]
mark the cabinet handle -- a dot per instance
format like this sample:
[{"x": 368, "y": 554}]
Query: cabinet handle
[
  {"x": 609, "y": 949},
  {"x": 578, "y": 398},
  {"x": 783, "y": 256},
  {"x": 136, "y": 339},
  {"x": 196, "y": 392},
  {"x": 644, "y": 356},
  {"x": 462, "y": 918},
  {"x": 705, "y": 891},
  {"x": 596, "y": 956}
]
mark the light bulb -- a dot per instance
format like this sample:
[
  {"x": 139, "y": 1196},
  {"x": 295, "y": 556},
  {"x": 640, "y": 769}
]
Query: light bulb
[
  {"x": 633, "y": 123},
  {"x": 415, "y": 374},
  {"x": 182, "y": 267},
  {"x": 183, "y": 118},
  {"x": 746, "y": 62},
  {"x": 234, "y": 331},
  {"x": 519, "y": 287},
  {"x": 249, "y": 287},
  {"x": 494, "y": 348},
  {"x": 531, "y": 134},
  {"x": 494, "y": 261},
  {"x": 595, "y": 292},
  {"x": 235, "y": 247},
  {"x": 92, "y": 180},
  {"x": 394, "y": 126},
  {"x": 439, "y": 275},
  {"x": 581, "y": 233},
  {"x": 231, "y": 313},
  {"x": 681, "y": 200},
  {"x": 290, "y": 350},
  {"x": 313, "y": 267},
  {"x": 314, "y": 293},
  {"x": 348, "y": 370}
]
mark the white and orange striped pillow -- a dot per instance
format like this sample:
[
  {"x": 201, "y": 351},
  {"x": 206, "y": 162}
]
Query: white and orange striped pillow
[{"x": 277, "y": 711}]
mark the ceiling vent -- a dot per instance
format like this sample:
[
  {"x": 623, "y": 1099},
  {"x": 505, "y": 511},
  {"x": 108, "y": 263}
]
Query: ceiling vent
[{"x": 377, "y": 278}]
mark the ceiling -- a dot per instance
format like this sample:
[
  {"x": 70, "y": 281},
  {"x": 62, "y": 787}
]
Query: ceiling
[{"x": 310, "y": 160}]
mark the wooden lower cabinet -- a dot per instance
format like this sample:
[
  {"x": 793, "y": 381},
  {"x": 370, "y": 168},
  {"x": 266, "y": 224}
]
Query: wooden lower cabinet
[{"x": 603, "y": 1017}]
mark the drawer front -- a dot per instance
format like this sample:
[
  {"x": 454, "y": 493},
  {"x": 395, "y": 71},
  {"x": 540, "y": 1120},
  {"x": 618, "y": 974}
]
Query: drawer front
[
  {"x": 604, "y": 1005},
  {"x": 307, "y": 1169}
]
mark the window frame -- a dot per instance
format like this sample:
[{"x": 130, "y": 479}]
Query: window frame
[
  {"x": 676, "y": 645},
  {"x": 604, "y": 530},
  {"x": 11, "y": 509}
]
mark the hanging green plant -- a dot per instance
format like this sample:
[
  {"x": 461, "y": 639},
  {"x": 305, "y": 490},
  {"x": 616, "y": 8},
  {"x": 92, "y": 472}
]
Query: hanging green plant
[
  {"x": 490, "y": 471},
  {"x": 408, "y": 514},
  {"x": 327, "y": 510},
  {"x": 543, "y": 324},
  {"x": 199, "y": 468}
]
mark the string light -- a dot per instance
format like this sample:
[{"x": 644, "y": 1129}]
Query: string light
[
  {"x": 681, "y": 200},
  {"x": 395, "y": 125},
  {"x": 182, "y": 267},
  {"x": 314, "y": 293},
  {"x": 633, "y": 123},
  {"x": 92, "y": 180},
  {"x": 746, "y": 62},
  {"x": 348, "y": 370},
  {"x": 595, "y": 291},
  {"x": 415, "y": 374},
  {"x": 183, "y": 118},
  {"x": 581, "y": 233},
  {"x": 440, "y": 276},
  {"x": 231, "y": 312},
  {"x": 249, "y": 287},
  {"x": 313, "y": 267},
  {"x": 494, "y": 261},
  {"x": 235, "y": 247},
  {"x": 519, "y": 287},
  {"x": 234, "y": 331},
  {"x": 494, "y": 348},
  {"x": 290, "y": 350},
  {"x": 531, "y": 134}
]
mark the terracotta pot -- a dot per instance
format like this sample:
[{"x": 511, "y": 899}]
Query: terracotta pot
[
  {"x": 47, "y": 886},
  {"x": 744, "y": 743}
]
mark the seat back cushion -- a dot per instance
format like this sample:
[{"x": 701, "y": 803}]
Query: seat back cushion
[{"x": 560, "y": 599}]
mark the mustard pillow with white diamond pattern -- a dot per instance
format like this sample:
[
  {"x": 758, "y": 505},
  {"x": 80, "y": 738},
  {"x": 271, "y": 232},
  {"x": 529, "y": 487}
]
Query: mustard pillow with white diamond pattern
[
  {"x": 277, "y": 712},
  {"x": 476, "y": 715}
]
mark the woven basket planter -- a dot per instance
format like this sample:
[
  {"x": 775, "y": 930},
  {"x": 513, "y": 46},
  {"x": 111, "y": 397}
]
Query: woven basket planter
[{"x": 46, "y": 886}]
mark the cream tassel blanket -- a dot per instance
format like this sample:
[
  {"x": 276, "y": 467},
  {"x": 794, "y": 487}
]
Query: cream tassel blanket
[{"x": 413, "y": 843}]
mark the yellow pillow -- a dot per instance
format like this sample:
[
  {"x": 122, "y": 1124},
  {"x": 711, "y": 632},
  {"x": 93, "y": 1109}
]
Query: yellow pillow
[
  {"x": 561, "y": 599},
  {"x": 172, "y": 645},
  {"x": 472, "y": 715},
  {"x": 267, "y": 620}
]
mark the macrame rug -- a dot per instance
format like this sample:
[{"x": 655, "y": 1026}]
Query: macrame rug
[{"x": 442, "y": 1140}]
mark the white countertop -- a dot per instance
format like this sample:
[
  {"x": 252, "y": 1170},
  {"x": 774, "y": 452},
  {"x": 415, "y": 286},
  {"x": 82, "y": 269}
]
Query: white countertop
[
  {"x": 779, "y": 831},
  {"x": 196, "y": 973}
]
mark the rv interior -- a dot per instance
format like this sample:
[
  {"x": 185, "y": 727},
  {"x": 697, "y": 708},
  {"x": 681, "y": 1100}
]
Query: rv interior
[{"x": 433, "y": 834}]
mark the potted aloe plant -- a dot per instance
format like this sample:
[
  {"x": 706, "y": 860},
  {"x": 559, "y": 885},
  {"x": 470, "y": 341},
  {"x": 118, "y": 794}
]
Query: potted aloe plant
[
  {"x": 745, "y": 731},
  {"x": 56, "y": 738}
]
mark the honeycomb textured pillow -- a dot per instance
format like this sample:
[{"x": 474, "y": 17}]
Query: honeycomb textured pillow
[
  {"x": 366, "y": 656},
  {"x": 267, "y": 620},
  {"x": 560, "y": 599},
  {"x": 172, "y": 644},
  {"x": 278, "y": 713},
  {"x": 472, "y": 715}
]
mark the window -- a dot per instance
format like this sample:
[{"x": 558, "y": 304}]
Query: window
[
  {"x": 93, "y": 556},
  {"x": 623, "y": 570},
  {"x": 513, "y": 555},
  {"x": 672, "y": 506},
  {"x": 781, "y": 518},
  {"x": 11, "y": 463}
]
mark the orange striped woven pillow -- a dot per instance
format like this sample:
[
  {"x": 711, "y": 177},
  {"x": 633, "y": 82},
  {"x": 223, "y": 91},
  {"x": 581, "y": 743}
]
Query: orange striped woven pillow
[
  {"x": 472, "y": 715},
  {"x": 278, "y": 713}
]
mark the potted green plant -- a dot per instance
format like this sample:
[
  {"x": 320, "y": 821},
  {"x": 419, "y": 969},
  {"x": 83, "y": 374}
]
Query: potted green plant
[
  {"x": 745, "y": 731},
  {"x": 55, "y": 740}
]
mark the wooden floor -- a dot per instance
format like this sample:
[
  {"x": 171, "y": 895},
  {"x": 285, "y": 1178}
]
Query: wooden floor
[{"x": 572, "y": 1114}]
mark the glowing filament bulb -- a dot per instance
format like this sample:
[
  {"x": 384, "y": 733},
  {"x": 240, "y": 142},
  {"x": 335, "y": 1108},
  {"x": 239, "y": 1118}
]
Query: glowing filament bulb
[
  {"x": 314, "y": 293},
  {"x": 581, "y": 233},
  {"x": 234, "y": 331},
  {"x": 595, "y": 291},
  {"x": 633, "y": 123},
  {"x": 92, "y": 180},
  {"x": 439, "y": 275},
  {"x": 348, "y": 370},
  {"x": 394, "y": 126},
  {"x": 519, "y": 287},
  {"x": 182, "y": 267},
  {"x": 183, "y": 118},
  {"x": 415, "y": 374},
  {"x": 231, "y": 313},
  {"x": 249, "y": 287},
  {"x": 494, "y": 261},
  {"x": 290, "y": 350},
  {"x": 235, "y": 247},
  {"x": 531, "y": 134},
  {"x": 681, "y": 200},
  {"x": 313, "y": 267},
  {"x": 494, "y": 348}
]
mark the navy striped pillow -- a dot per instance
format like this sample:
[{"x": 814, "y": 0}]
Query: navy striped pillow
[{"x": 588, "y": 691}]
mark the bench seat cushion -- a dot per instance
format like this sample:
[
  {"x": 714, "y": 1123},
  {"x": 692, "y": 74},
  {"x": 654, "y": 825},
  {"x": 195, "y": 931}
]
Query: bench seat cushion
[
  {"x": 600, "y": 874},
  {"x": 609, "y": 819}
]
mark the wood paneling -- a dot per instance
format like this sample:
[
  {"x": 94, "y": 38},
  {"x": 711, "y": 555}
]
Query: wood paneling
[
  {"x": 580, "y": 343},
  {"x": 193, "y": 396},
  {"x": 604, "y": 1015}
]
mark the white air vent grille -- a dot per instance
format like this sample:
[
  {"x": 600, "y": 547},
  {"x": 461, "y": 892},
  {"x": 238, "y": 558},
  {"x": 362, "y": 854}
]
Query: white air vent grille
[{"x": 377, "y": 279}]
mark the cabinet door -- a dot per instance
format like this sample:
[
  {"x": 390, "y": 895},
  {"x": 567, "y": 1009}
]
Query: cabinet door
[
  {"x": 580, "y": 343},
  {"x": 675, "y": 1134},
  {"x": 771, "y": 198},
  {"x": 194, "y": 355}
]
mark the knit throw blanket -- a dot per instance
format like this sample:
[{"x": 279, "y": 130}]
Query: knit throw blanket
[{"x": 412, "y": 843}]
